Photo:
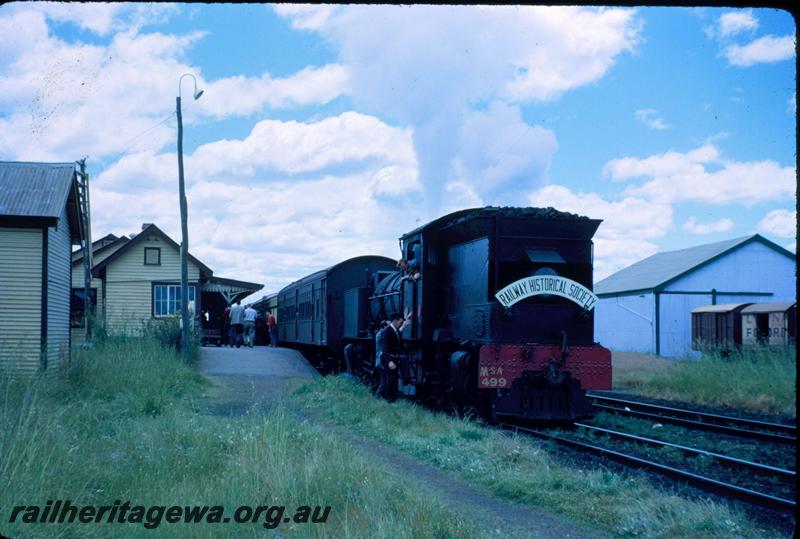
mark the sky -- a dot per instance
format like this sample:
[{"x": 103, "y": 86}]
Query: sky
[{"x": 326, "y": 132}]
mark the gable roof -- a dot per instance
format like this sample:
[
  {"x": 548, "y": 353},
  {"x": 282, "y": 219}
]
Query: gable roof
[
  {"x": 149, "y": 230},
  {"x": 97, "y": 244},
  {"x": 107, "y": 243},
  {"x": 36, "y": 193},
  {"x": 660, "y": 269},
  {"x": 34, "y": 189}
]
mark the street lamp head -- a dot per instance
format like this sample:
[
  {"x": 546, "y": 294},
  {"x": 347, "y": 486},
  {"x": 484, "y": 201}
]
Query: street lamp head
[{"x": 197, "y": 93}]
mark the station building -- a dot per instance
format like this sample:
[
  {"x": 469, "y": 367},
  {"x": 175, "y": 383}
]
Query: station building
[
  {"x": 647, "y": 307},
  {"x": 137, "y": 279}
]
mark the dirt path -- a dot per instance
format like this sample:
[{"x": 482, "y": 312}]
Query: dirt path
[{"x": 255, "y": 379}]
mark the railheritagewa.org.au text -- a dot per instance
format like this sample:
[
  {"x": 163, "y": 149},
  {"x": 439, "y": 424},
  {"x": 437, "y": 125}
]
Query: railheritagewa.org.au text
[{"x": 153, "y": 516}]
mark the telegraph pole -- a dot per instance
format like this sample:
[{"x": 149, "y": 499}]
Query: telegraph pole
[
  {"x": 184, "y": 237},
  {"x": 184, "y": 227}
]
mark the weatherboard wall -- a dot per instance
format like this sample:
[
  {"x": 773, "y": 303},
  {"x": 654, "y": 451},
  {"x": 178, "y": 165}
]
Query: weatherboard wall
[
  {"x": 20, "y": 299},
  {"x": 59, "y": 260},
  {"x": 129, "y": 284},
  {"x": 79, "y": 334}
]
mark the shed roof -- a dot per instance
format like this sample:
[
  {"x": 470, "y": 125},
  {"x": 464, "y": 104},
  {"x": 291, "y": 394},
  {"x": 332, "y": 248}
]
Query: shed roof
[
  {"x": 34, "y": 189},
  {"x": 655, "y": 272},
  {"x": 779, "y": 307},
  {"x": 721, "y": 308}
]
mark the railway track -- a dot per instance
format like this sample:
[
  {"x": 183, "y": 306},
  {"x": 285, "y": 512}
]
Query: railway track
[
  {"x": 734, "y": 426},
  {"x": 709, "y": 484}
]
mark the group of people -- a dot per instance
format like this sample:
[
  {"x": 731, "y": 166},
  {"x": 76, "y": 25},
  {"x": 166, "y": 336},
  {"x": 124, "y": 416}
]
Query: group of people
[{"x": 241, "y": 323}]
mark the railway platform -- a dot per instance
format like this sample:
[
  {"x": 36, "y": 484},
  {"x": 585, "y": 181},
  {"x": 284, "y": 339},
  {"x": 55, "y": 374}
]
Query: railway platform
[{"x": 243, "y": 378}]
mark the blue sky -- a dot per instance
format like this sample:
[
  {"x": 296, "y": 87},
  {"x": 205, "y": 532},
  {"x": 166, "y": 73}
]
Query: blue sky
[{"x": 326, "y": 132}]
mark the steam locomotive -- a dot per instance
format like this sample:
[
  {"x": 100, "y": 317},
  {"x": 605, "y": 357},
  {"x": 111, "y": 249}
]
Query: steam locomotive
[{"x": 500, "y": 316}]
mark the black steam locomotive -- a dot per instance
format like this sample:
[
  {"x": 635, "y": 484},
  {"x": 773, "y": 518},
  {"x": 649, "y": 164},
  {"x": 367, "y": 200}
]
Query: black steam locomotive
[{"x": 500, "y": 316}]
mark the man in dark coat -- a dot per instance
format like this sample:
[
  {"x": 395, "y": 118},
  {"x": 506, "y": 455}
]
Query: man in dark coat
[{"x": 388, "y": 357}]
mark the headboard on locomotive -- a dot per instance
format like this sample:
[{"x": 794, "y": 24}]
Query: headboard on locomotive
[{"x": 473, "y": 261}]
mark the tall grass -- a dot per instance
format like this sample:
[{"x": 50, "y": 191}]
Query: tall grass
[
  {"x": 128, "y": 423},
  {"x": 759, "y": 379},
  {"x": 524, "y": 471}
]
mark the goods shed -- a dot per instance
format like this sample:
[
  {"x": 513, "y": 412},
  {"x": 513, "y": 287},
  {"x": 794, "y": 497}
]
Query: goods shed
[
  {"x": 647, "y": 306},
  {"x": 44, "y": 211}
]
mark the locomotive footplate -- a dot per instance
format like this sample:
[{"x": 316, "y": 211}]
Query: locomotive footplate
[{"x": 537, "y": 395}]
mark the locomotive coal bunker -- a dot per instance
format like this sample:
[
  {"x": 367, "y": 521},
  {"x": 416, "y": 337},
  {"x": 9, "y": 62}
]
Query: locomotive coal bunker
[{"x": 500, "y": 318}]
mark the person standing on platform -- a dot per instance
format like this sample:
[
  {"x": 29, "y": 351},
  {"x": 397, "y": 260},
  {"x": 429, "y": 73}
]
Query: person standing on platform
[
  {"x": 249, "y": 326},
  {"x": 272, "y": 325},
  {"x": 237, "y": 324}
]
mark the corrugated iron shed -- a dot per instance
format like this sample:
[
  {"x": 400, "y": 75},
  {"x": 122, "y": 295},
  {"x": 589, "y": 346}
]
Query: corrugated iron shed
[
  {"x": 662, "y": 268},
  {"x": 34, "y": 189}
]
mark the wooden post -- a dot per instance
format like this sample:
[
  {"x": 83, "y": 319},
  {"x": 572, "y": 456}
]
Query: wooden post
[{"x": 184, "y": 239}]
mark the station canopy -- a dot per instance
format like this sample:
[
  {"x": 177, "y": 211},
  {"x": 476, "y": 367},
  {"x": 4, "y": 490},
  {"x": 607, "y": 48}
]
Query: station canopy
[{"x": 231, "y": 289}]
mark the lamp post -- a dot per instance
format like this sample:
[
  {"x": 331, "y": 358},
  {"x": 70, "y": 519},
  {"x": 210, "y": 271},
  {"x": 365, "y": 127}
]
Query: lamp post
[{"x": 184, "y": 227}]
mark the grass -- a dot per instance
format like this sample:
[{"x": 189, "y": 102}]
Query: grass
[
  {"x": 127, "y": 423},
  {"x": 758, "y": 380},
  {"x": 523, "y": 471}
]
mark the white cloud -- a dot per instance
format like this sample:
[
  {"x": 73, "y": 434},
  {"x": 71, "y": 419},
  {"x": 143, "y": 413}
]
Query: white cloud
[
  {"x": 735, "y": 22},
  {"x": 767, "y": 49},
  {"x": 670, "y": 163},
  {"x": 650, "y": 118},
  {"x": 502, "y": 155},
  {"x": 435, "y": 68},
  {"x": 676, "y": 177},
  {"x": 782, "y": 223},
  {"x": 246, "y": 95},
  {"x": 628, "y": 228},
  {"x": 284, "y": 201},
  {"x": 306, "y": 16},
  {"x": 294, "y": 147},
  {"x": 102, "y": 18},
  {"x": 693, "y": 226},
  {"x": 51, "y": 89}
]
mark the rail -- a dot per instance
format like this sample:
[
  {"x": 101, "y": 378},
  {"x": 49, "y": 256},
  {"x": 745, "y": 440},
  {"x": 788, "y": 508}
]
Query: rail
[
  {"x": 703, "y": 421},
  {"x": 700, "y": 481},
  {"x": 724, "y": 459}
]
